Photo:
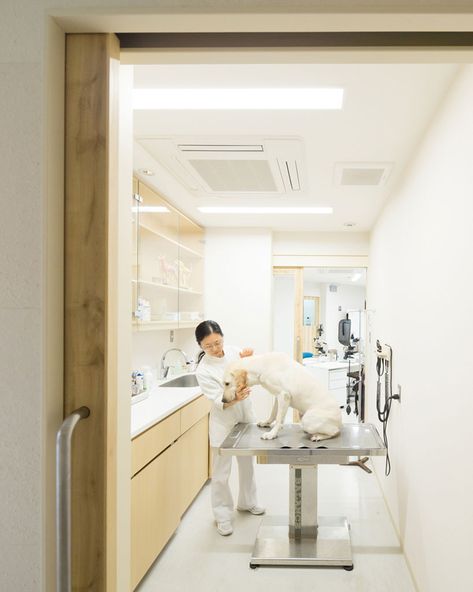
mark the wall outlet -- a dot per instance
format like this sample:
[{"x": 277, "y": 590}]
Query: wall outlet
[
  {"x": 399, "y": 392},
  {"x": 171, "y": 336}
]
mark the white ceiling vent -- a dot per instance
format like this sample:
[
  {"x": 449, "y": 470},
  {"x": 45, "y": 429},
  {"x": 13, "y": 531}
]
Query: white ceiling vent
[
  {"x": 236, "y": 175},
  {"x": 229, "y": 168},
  {"x": 364, "y": 174}
]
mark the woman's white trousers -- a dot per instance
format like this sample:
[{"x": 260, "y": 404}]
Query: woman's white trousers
[{"x": 221, "y": 495}]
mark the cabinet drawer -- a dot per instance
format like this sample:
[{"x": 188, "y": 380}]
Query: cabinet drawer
[
  {"x": 148, "y": 445},
  {"x": 340, "y": 395},
  {"x": 191, "y": 413},
  {"x": 337, "y": 378}
]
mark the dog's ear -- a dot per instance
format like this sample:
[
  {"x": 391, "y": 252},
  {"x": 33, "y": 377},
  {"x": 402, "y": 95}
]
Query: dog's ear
[{"x": 241, "y": 378}]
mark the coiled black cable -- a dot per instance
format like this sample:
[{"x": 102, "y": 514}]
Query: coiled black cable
[{"x": 385, "y": 367}]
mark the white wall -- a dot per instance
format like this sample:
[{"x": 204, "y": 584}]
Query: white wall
[
  {"x": 420, "y": 284},
  {"x": 284, "y": 295},
  {"x": 238, "y": 286},
  {"x": 321, "y": 243},
  {"x": 149, "y": 346}
]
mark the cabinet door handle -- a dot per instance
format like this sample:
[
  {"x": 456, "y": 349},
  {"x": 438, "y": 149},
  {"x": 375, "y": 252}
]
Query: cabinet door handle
[{"x": 63, "y": 498}]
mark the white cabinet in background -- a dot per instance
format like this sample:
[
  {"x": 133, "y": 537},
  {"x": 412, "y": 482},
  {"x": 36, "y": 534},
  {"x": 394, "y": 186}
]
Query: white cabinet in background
[{"x": 333, "y": 375}]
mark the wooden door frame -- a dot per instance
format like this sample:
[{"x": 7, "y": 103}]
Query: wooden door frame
[
  {"x": 317, "y": 304},
  {"x": 90, "y": 353}
]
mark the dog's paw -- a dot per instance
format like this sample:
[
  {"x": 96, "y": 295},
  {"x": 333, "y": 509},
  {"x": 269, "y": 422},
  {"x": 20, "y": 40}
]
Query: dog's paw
[
  {"x": 318, "y": 437},
  {"x": 264, "y": 424},
  {"x": 269, "y": 435}
]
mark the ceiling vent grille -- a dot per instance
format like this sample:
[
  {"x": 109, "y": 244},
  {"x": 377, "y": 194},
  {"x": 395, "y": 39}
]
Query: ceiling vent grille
[
  {"x": 236, "y": 175},
  {"x": 370, "y": 174},
  {"x": 247, "y": 167}
]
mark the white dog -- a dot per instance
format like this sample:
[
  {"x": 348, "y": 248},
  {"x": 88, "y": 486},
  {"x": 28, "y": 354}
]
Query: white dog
[{"x": 291, "y": 384}]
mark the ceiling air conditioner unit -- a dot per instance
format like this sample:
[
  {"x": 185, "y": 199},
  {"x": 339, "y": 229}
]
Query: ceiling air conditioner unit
[{"x": 232, "y": 167}]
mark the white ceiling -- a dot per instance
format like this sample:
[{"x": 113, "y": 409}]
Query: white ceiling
[{"x": 387, "y": 108}]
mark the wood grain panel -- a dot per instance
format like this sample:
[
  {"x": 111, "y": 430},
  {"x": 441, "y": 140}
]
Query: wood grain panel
[
  {"x": 155, "y": 512},
  {"x": 149, "y": 444},
  {"x": 191, "y": 413},
  {"x": 92, "y": 63},
  {"x": 193, "y": 461}
]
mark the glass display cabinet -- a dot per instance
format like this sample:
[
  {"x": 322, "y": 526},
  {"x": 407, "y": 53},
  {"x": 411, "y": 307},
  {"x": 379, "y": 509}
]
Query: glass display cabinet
[{"x": 168, "y": 259}]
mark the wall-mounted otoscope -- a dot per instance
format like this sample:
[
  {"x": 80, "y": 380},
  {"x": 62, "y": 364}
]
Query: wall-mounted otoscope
[{"x": 384, "y": 367}]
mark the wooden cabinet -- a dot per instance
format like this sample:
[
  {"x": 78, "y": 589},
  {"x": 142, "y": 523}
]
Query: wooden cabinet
[
  {"x": 193, "y": 462},
  {"x": 169, "y": 467},
  {"x": 150, "y": 443},
  {"x": 154, "y": 512},
  {"x": 168, "y": 258}
]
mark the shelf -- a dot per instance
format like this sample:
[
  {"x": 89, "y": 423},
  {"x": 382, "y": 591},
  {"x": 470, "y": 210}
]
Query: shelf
[
  {"x": 166, "y": 287},
  {"x": 163, "y": 325},
  {"x": 172, "y": 241}
]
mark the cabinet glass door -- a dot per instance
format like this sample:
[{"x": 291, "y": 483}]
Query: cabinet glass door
[
  {"x": 157, "y": 274},
  {"x": 191, "y": 272},
  {"x": 134, "y": 247}
]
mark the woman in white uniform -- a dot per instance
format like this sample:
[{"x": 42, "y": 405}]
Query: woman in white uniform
[{"x": 223, "y": 416}]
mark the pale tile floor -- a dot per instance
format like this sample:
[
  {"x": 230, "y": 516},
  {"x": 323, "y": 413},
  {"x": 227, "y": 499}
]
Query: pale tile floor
[{"x": 197, "y": 558}]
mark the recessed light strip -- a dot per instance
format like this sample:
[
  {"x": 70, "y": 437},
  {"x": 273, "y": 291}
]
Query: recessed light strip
[
  {"x": 237, "y": 98},
  {"x": 263, "y": 210}
]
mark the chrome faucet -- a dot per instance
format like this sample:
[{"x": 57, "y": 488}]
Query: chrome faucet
[{"x": 165, "y": 369}]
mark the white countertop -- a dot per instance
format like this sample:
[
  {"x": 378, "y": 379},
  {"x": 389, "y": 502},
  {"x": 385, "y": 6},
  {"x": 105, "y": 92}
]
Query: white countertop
[
  {"x": 330, "y": 365},
  {"x": 161, "y": 402}
]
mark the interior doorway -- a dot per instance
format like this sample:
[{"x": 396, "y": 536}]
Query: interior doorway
[
  {"x": 313, "y": 308},
  {"x": 297, "y": 352}
]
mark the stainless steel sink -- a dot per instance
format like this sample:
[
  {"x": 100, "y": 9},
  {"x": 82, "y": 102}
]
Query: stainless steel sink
[{"x": 186, "y": 380}]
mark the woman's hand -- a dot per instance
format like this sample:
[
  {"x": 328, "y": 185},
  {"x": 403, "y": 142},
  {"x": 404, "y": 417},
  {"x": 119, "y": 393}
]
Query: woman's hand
[
  {"x": 241, "y": 394},
  {"x": 245, "y": 353}
]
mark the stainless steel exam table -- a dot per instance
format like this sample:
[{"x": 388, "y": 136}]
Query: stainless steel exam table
[{"x": 304, "y": 538}]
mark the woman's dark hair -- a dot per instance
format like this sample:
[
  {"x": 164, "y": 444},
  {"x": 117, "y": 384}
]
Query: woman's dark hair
[{"x": 203, "y": 330}]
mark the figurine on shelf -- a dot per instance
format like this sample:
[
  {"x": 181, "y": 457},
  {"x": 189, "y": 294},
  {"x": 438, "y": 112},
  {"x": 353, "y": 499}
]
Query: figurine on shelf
[
  {"x": 167, "y": 272},
  {"x": 184, "y": 274}
]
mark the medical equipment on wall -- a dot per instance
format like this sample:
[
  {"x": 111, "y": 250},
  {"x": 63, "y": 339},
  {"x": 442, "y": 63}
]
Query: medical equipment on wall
[
  {"x": 355, "y": 400},
  {"x": 346, "y": 338},
  {"x": 384, "y": 367}
]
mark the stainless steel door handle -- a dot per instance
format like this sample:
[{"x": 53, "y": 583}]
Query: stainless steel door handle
[{"x": 63, "y": 498}]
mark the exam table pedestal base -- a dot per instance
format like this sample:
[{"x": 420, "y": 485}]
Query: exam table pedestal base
[{"x": 331, "y": 547}]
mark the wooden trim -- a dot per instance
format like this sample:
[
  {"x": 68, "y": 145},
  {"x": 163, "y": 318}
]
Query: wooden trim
[
  {"x": 91, "y": 204},
  {"x": 298, "y": 312}
]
